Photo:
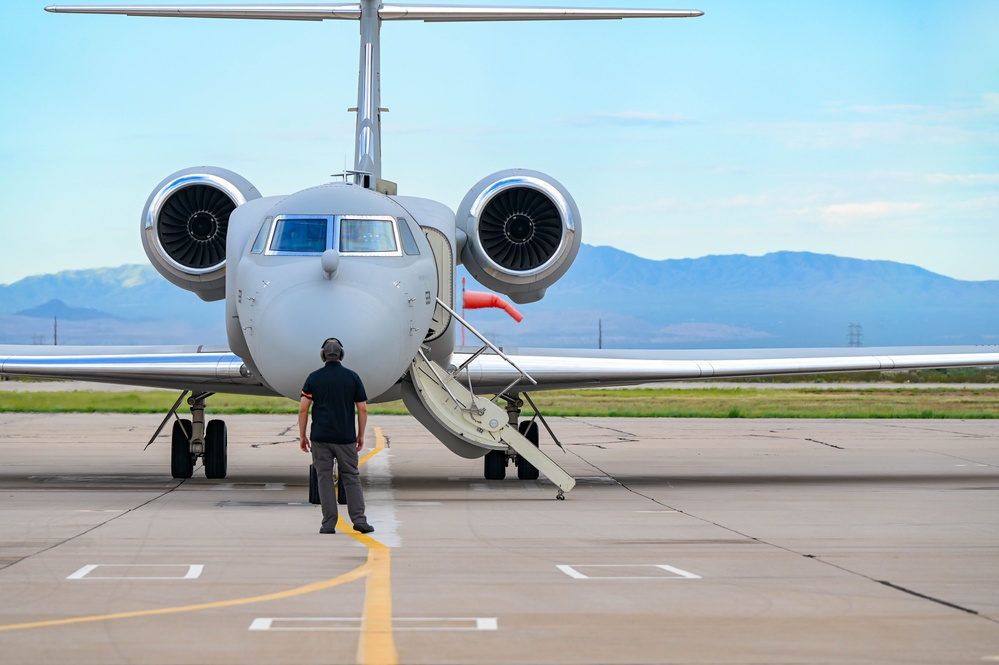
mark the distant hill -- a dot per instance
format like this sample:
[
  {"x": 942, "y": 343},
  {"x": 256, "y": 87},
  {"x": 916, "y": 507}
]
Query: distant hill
[
  {"x": 784, "y": 299},
  {"x": 137, "y": 304},
  {"x": 58, "y": 309}
]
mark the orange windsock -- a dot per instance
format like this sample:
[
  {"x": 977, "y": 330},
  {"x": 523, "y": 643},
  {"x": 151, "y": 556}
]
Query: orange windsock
[{"x": 480, "y": 300}]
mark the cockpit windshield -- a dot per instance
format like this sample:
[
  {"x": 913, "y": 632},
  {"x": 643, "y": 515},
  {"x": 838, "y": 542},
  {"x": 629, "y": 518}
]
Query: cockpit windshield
[
  {"x": 300, "y": 235},
  {"x": 367, "y": 235},
  {"x": 351, "y": 235}
]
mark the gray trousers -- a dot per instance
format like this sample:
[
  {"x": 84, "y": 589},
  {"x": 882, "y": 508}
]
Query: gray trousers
[{"x": 346, "y": 459}]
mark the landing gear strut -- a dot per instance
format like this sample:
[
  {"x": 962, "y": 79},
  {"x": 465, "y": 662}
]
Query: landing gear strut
[
  {"x": 191, "y": 439},
  {"x": 496, "y": 460}
]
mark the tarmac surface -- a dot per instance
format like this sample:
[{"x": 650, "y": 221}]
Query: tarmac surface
[{"x": 685, "y": 541}]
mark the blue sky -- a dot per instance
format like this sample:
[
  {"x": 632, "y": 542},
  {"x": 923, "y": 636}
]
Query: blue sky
[{"x": 863, "y": 129}]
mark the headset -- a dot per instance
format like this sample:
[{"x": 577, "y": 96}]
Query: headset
[{"x": 322, "y": 349}]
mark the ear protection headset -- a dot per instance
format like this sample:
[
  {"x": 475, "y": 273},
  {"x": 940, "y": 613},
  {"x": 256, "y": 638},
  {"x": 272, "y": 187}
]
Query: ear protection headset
[{"x": 322, "y": 349}]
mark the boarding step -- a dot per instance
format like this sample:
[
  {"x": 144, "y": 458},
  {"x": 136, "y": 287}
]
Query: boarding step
[{"x": 477, "y": 420}]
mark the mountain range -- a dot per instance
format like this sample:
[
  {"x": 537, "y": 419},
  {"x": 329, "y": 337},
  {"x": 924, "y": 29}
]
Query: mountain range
[{"x": 608, "y": 297}]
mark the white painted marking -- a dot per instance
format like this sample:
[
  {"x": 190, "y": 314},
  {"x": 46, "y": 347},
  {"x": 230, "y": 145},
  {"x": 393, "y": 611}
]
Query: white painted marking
[
  {"x": 572, "y": 572},
  {"x": 478, "y": 487},
  {"x": 261, "y": 624},
  {"x": 656, "y": 512},
  {"x": 678, "y": 573},
  {"x": 341, "y": 624},
  {"x": 82, "y": 572},
  {"x": 193, "y": 571},
  {"x": 98, "y": 511}
]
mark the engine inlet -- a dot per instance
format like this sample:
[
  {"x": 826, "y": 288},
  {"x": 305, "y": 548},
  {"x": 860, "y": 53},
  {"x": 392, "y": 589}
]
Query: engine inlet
[
  {"x": 520, "y": 228},
  {"x": 192, "y": 225}
]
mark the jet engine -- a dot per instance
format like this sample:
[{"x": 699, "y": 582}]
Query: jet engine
[
  {"x": 522, "y": 233},
  {"x": 184, "y": 226}
]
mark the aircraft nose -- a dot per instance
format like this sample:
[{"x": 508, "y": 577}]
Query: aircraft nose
[{"x": 379, "y": 339}]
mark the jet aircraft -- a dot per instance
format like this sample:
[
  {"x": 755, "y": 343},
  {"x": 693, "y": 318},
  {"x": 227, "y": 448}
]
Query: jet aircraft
[{"x": 377, "y": 270}]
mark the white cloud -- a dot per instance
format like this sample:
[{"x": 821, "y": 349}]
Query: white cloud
[
  {"x": 985, "y": 203},
  {"x": 847, "y": 213},
  {"x": 858, "y": 125},
  {"x": 634, "y": 118},
  {"x": 852, "y": 135},
  {"x": 973, "y": 179}
]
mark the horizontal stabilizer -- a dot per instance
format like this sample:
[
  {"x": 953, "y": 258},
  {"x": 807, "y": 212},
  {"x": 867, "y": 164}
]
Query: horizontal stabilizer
[
  {"x": 473, "y": 13},
  {"x": 319, "y": 12},
  {"x": 310, "y": 12}
]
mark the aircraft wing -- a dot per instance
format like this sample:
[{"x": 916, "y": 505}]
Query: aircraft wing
[
  {"x": 195, "y": 368},
  {"x": 562, "y": 369},
  {"x": 213, "y": 369}
]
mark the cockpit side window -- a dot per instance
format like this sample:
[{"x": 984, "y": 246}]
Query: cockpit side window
[
  {"x": 300, "y": 235},
  {"x": 367, "y": 236},
  {"x": 408, "y": 239},
  {"x": 261, "y": 240}
]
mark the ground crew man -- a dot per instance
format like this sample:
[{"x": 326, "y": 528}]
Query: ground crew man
[{"x": 333, "y": 392}]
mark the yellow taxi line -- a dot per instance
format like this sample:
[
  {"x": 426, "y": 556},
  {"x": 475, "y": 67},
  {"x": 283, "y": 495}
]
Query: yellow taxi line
[
  {"x": 350, "y": 576},
  {"x": 376, "y": 644}
]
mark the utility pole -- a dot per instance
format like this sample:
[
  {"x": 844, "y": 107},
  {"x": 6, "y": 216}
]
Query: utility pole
[{"x": 55, "y": 331}]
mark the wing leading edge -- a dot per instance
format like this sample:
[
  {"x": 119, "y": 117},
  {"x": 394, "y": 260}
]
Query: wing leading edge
[
  {"x": 170, "y": 368},
  {"x": 558, "y": 371}
]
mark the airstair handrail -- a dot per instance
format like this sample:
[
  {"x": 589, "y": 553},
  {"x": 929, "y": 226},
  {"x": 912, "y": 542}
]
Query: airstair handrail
[{"x": 493, "y": 347}]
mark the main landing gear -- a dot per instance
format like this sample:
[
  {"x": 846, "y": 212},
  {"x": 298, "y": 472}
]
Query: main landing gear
[
  {"x": 496, "y": 460},
  {"x": 191, "y": 439}
]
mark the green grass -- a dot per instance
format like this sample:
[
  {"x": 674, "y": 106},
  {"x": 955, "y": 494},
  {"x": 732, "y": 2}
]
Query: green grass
[{"x": 802, "y": 402}]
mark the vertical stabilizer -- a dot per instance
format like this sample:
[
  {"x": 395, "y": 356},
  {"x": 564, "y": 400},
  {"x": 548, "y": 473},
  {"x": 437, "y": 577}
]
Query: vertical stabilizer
[{"x": 368, "y": 132}]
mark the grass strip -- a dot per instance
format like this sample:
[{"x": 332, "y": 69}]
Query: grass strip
[{"x": 639, "y": 402}]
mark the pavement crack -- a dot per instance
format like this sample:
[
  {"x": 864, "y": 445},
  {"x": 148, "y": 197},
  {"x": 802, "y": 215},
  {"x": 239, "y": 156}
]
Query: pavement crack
[
  {"x": 930, "y": 598},
  {"x": 831, "y": 445},
  {"x": 625, "y": 436},
  {"x": 94, "y": 527},
  {"x": 784, "y": 548},
  {"x": 958, "y": 457}
]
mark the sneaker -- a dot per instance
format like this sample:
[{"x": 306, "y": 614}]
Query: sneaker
[
  {"x": 327, "y": 531},
  {"x": 363, "y": 527}
]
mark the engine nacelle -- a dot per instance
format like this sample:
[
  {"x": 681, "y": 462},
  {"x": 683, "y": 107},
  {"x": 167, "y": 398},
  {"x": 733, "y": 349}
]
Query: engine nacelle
[
  {"x": 522, "y": 233},
  {"x": 184, "y": 226}
]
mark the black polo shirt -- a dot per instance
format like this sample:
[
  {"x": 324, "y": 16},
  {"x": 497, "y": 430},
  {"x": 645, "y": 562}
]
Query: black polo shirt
[{"x": 334, "y": 390}]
